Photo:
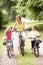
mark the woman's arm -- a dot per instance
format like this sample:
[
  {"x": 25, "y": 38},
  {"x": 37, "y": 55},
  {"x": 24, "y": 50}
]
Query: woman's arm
[
  {"x": 23, "y": 25},
  {"x": 14, "y": 26}
]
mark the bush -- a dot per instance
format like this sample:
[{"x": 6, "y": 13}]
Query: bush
[
  {"x": 39, "y": 27},
  {"x": 3, "y": 19}
]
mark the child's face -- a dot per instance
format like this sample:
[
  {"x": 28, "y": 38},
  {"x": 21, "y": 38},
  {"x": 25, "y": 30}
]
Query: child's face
[
  {"x": 33, "y": 28},
  {"x": 9, "y": 29}
]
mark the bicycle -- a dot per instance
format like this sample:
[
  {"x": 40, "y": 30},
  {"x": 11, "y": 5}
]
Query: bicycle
[
  {"x": 36, "y": 46},
  {"x": 9, "y": 46},
  {"x": 22, "y": 43},
  {"x": 22, "y": 46}
]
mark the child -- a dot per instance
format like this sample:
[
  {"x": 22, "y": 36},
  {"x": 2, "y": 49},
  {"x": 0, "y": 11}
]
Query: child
[
  {"x": 34, "y": 33},
  {"x": 8, "y": 34}
]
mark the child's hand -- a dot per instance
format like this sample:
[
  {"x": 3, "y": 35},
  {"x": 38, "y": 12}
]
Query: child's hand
[{"x": 13, "y": 38}]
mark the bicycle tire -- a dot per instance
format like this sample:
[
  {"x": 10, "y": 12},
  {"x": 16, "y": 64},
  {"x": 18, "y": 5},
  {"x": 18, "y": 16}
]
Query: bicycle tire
[
  {"x": 22, "y": 51},
  {"x": 36, "y": 52}
]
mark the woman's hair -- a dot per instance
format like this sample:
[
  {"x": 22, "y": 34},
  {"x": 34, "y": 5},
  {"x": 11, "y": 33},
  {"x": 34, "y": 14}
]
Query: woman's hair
[{"x": 18, "y": 17}]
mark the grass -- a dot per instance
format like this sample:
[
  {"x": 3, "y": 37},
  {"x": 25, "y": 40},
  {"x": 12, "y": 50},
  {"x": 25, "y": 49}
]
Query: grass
[
  {"x": 1, "y": 39},
  {"x": 28, "y": 59}
]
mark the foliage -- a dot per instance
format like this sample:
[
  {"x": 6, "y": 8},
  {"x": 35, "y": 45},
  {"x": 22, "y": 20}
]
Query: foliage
[
  {"x": 37, "y": 6},
  {"x": 3, "y": 19},
  {"x": 32, "y": 9}
]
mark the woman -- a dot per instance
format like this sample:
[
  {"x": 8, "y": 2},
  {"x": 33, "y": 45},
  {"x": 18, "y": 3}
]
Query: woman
[{"x": 19, "y": 25}]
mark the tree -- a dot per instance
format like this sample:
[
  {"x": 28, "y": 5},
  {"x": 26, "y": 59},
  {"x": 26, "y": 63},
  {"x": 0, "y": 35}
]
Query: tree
[
  {"x": 32, "y": 9},
  {"x": 1, "y": 19},
  {"x": 37, "y": 6}
]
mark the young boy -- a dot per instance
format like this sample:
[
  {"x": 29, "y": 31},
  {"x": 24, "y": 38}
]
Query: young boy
[{"x": 34, "y": 33}]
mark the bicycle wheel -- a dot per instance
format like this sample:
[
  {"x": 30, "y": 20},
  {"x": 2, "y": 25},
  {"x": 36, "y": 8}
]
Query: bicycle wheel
[
  {"x": 22, "y": 51},
  {"x": 36, "y": 52},
  {"x": 9, "y": 53}
]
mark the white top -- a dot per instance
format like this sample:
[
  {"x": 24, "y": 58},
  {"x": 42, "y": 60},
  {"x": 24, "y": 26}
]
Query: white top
[{"x": 34, "y": 34}]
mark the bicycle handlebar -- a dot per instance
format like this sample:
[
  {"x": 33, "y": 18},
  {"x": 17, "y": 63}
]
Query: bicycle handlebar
[{"x": 34, "y": 37}]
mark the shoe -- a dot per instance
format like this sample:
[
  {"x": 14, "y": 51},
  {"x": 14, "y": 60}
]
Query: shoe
[{"x": 38, "y": 46}]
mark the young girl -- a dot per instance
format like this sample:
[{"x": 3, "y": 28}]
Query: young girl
[{"x": 8, "y": 34}]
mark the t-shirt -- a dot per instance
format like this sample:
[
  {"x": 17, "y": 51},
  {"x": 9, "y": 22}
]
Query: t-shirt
[{"x": 8, "y": 35}]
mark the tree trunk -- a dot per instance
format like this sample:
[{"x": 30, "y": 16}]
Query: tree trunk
[{"x": 0, "y": 25}]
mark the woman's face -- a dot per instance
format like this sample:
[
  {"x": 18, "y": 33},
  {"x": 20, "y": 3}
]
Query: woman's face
[{"x": 18, "y": 20}]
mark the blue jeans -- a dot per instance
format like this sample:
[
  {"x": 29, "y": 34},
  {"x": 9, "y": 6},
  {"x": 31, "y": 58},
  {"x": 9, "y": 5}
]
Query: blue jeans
[{"x": 20, "y": 36}]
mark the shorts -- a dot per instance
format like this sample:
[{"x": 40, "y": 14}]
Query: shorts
[
  {"x": 33, "y": 43},
  {"x": 9, "y": 43}
]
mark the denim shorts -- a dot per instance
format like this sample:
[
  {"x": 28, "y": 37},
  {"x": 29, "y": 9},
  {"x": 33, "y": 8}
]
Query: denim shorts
[{"x": 9, "y": 43}]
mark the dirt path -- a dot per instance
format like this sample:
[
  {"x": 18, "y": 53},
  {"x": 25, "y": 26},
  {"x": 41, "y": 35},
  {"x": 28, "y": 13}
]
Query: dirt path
[
  {"x": 40, "y": 58},
  {"x": 5, "y": 60}
]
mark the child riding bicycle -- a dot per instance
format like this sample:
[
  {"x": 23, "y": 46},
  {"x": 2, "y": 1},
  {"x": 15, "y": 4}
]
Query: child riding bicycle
[
  {"x": 33, "y": 34},
  {"x": 19, "y": 26},
  {"x": 8, "y": 35}
]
